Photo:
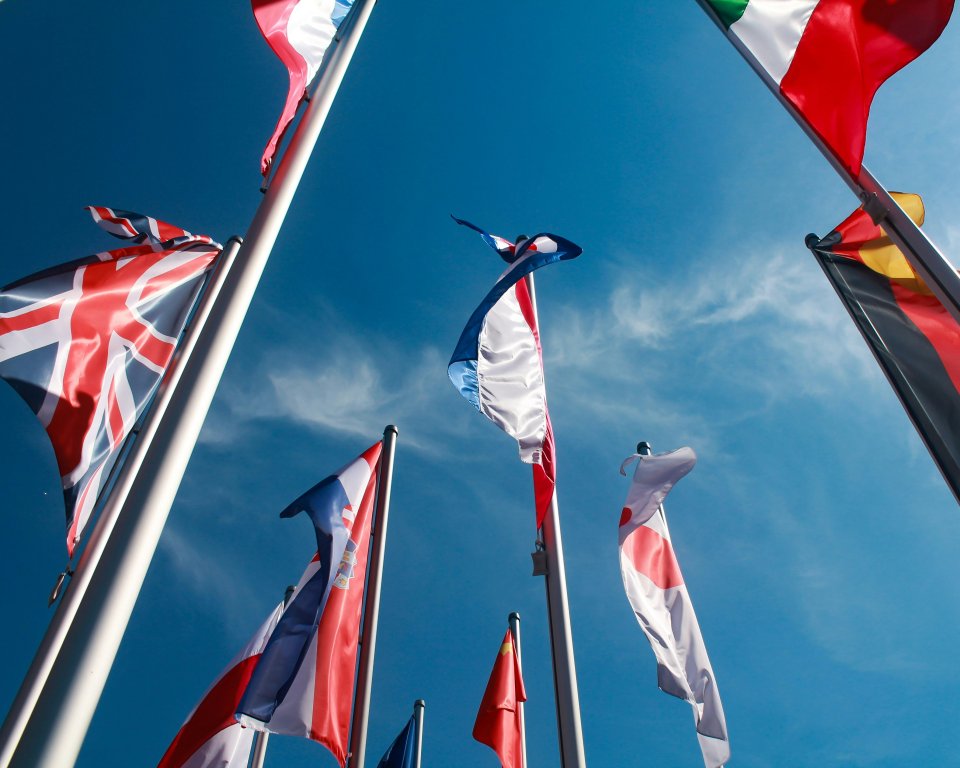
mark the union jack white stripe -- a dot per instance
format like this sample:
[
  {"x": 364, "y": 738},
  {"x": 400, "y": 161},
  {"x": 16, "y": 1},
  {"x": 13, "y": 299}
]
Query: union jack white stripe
[{"x": 87, "y": 343}]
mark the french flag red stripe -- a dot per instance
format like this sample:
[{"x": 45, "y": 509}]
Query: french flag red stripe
[{"x": 212, "y": 715}]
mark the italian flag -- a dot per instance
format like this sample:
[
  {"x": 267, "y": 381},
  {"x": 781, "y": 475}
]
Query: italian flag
[{"x": 829, "y": 57}]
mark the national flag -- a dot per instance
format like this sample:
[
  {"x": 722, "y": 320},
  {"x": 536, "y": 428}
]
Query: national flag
[
  {"x": 86, "y": 344},
  {"x": 829, "y": 57},
  {"x": 498, "y": 721},
  {"x": 498, "y": 364},
  {"x": 303, "y": 685},
  {"x": 211, "y": 737},
  {"x": 914, "y": 338},
  {"x": 402, "y": 753},
  {"x": 299, "y": 32},
  {"x": 660, "y": 601}
]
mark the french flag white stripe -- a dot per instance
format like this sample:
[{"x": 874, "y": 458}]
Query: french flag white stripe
[
  {"x": 510, "y": 378},
  {"x": 310, "y": 29},
  {"x": 230, "y": 748}
]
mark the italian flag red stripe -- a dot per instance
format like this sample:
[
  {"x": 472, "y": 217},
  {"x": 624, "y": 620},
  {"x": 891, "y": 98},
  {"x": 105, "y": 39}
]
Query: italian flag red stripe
[{"x": 829, "y": 57}]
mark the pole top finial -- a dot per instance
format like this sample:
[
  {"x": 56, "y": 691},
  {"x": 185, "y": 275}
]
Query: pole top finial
[
  {"x": 419, "y": 704},
  {"x": 811, "y": 241},
  {"x": 391, "y": 428},
  {"x": 644, "y": 448},
  {"x": 514, "y": 616}
]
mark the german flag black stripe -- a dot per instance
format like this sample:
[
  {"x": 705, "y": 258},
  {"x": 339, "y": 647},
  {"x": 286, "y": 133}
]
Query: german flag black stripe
[{"x": 912, "y": 360}]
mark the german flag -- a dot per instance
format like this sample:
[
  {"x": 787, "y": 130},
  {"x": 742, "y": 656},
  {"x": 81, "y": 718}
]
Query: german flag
[{"x": 913, "y": 337}]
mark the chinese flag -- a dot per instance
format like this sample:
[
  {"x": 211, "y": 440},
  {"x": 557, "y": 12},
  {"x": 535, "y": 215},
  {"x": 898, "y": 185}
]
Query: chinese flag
[{"x": 498, "y": 721}]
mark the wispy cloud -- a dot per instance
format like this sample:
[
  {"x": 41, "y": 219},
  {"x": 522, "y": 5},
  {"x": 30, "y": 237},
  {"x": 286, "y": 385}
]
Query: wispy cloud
[
  {"x": 198, "y": 570},
  {"x": 758, "y": 331},
  {"x": 355, "y": 386}
]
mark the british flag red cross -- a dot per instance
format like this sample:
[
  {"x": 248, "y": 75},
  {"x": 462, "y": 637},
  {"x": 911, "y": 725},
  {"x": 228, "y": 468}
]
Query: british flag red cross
[{"x": 87, "y": 343}]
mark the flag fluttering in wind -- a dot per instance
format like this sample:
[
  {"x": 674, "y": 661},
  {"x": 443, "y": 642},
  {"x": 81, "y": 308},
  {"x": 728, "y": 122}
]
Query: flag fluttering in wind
[
  {"x": 87, "y": 343},
  {"x": 498, "y": 721},
  {"x": 497, "y": 364},
  {"x": 659, "y": 598},
  {"x": 303, "y": 684},
  {"x": 829, "y": 57},
  {"x": 211, "y": 736},
  {"x": 402, "y": 753},
  {"x": 299, "y": 32},
  {"x": 914, "y": 338}
]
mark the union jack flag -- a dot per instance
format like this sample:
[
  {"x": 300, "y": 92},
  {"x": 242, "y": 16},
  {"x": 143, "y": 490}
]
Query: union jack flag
[{"x": 87, "y": 343}]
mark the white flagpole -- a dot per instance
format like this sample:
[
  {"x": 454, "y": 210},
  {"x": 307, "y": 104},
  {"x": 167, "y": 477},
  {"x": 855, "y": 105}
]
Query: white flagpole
[
  {"x": 54, "y": 733},
  {"x": 418, "y": 711},
  {"x": 919, "y": 250},
  {"x": 66, "y": 609},
  {"x": 371, "y": 605},
  {"x": 514, "y": 621},
  {"x": 570, "y": 731}
]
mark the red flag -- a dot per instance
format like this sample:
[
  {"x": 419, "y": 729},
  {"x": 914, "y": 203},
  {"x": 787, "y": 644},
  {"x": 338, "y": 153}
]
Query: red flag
[{"x": 498, "y": 721}]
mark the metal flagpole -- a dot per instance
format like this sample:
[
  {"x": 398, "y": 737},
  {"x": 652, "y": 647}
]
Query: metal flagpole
[
  {"x": 371, "y": 605},
  {"x": 567, "y": 696},
  {"x": 919, "y": 250},
  {"x": 54, "y": 733},
  {"x": 514, "y": 621},
  {"x": 418, "y": 710},
  {"x": 259, "y": 749},
  {"x": 66, "y": 609}
]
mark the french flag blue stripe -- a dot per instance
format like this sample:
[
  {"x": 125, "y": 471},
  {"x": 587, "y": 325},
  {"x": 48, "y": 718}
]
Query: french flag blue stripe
[
  {"x": 287, "y": 647},
  {"x": 527, "y": 262}
]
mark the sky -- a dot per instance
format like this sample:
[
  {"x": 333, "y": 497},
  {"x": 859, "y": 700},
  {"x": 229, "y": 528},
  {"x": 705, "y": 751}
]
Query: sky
[{"x": 816, "y": 536}]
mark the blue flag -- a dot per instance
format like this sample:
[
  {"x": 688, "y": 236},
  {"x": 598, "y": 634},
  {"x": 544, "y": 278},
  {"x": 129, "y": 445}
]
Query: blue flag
[{"x": 401, "y": 752}]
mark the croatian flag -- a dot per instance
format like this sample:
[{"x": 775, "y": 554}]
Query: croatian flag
[
  {"x": 303, "y": 684},
  {"x": 87, "y": 343},
  {"x": 299, "y": 31},
  {"x": 211, "y": 736},
  {"x": 498, "y": 365},
  {"x": 660, "y": 601}
]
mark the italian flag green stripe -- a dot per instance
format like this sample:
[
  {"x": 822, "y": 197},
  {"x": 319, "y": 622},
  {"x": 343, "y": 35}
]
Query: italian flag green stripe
[{"x": 729, "y": 11}]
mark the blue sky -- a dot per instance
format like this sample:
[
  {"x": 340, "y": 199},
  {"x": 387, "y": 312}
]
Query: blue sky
[{"x": 817, "y": 539}]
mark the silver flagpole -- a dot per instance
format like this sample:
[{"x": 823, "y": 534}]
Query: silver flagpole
[
  {"x": 919, "y": 250},
  {"x": 259, "y": 753},
  {"x": 371, "y": 605},
  {"x": 418, "y": 711},
  {"x": 567, "y": 695},
  {"x": 514, "y": 621},
  {"x": 66, "y": 609},
  {"x": 55, "y": 731}
]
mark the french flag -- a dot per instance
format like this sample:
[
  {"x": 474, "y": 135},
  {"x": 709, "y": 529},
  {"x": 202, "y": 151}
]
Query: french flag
[
  {"x": 211, "y": 736},
  {"x": 660, "y": 601},
  {"x": 303, "y": 684},
  {"x": 299, "y": 32},
  {"x": 498, "y": 365}
]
